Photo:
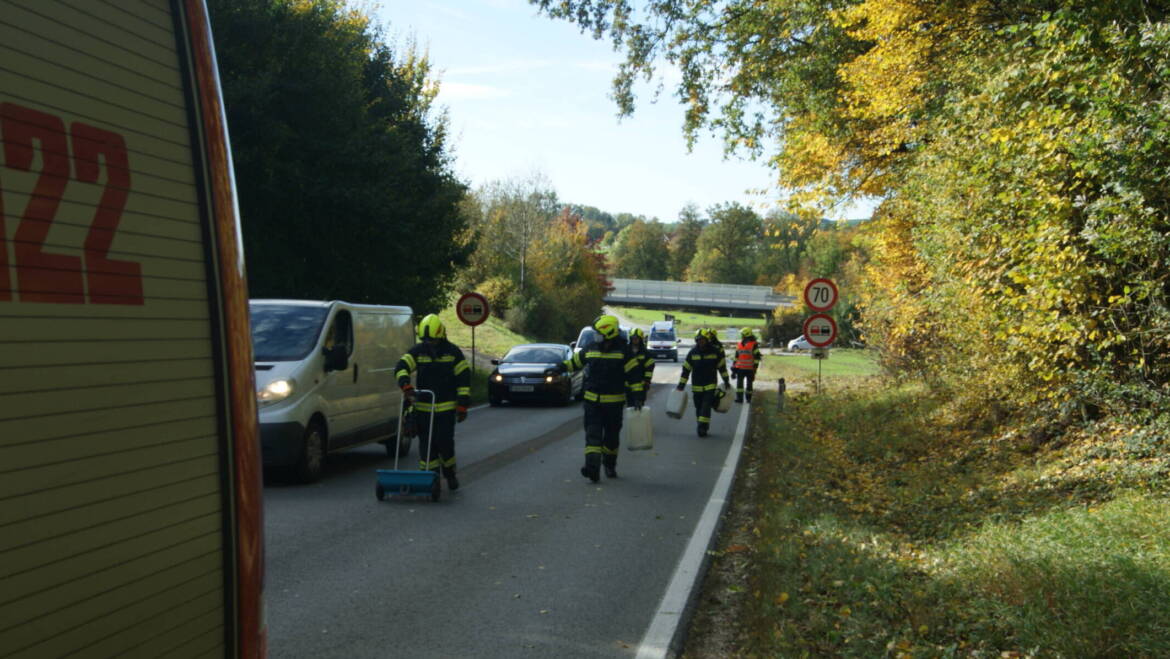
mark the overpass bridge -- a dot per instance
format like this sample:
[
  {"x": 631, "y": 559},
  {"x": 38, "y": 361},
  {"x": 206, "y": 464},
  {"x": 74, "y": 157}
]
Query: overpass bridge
[{"x": 729, "y": 298}]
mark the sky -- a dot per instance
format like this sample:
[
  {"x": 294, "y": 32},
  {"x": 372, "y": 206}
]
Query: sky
[{"x": 527, "y": 94}]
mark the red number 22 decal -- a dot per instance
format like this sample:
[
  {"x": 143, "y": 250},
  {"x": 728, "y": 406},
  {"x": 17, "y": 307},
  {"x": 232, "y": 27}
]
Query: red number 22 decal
[{"x": 58, "y": 278}]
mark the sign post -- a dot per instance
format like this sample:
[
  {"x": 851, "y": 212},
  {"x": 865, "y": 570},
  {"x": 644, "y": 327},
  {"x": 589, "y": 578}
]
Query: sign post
[
  {"x": 472, "y": 309},
  {"x": 820, "y": 330}
]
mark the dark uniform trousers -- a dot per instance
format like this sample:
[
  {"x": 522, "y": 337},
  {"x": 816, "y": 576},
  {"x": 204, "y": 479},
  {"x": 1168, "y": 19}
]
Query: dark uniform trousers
[
  {"x": 704, "y": 403},
  {"x": 442, "y": 451},
  {"x": 603, "y": 424},
  {"x": 741, "y": 375}
]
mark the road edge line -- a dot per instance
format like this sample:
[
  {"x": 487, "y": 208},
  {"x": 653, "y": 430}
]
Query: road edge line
[{"x": 664, "y": 635}]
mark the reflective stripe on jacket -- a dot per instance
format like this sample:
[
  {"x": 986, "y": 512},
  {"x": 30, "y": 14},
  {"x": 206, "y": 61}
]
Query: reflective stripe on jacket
[
  {"x": 747, "y": 355},
  {"x": 611, "y": 371},
  {"x": 706, "y": 364},
  {"x": 441, "y": 369}
]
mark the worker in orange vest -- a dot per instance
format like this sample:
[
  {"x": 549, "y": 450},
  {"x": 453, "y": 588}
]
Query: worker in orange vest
[{"x": 747, "y": 362}]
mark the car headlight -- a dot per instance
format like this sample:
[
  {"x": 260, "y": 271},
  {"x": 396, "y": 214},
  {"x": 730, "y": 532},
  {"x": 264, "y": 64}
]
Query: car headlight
[
  {"x": 498, "y": 378},
  {"x": 275, "y": 391},
  {"x": 549, "y": 378}
]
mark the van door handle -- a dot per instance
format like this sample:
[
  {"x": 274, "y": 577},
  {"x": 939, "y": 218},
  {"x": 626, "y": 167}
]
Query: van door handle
[{"x": 355, "y": 372}]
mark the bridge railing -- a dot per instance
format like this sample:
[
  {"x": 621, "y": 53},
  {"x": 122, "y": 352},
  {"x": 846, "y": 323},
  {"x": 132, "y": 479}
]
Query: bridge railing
[{"x": 729, "y": 296}]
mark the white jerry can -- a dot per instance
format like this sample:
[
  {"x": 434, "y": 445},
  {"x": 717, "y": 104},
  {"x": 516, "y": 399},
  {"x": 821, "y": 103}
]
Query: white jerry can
[
  {"x": 722, "y": 399},
  {"x": 676, "y": 403},
  {"x": 637, "y": 429}
]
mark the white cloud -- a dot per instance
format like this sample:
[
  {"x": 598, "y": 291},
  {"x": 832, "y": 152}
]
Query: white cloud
[{"x": 450, "y": 91}]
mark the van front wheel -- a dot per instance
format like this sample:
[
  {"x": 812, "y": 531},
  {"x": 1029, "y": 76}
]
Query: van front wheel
[{"x": 312, "y": 460}]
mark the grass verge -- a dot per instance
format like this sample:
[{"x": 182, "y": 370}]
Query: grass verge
[
  {"x": 866, "y": 525},
  {"x": 687, "y": 322},
  {"x": 844, "y": 367},
  {"x": 492, "y": 337}
]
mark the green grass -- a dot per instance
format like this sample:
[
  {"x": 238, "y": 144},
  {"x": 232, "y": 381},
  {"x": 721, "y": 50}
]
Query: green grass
[
  {"x": 879, "y": 529},
  {"x": 845, "y": 366},
  {"x": 492, "y": 338},
  {"x": 687, "y": 322}
]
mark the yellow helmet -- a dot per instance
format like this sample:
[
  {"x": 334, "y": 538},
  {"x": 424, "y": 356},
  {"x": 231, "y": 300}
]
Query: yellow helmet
[
  {"x": 701, "y": 333},
  {"x": 637, "y": 331},
  {"x": 431, "y": 327},
  {"x": 711, "y": 334},
  {"x": 745, "y": 332},
  {"x": 607, "y": 325}
]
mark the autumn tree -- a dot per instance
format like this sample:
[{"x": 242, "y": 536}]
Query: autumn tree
[
  {"x": 728, "y": 249},
  {"x": 514, "y": 215},
  {"x": 684, "y": 240},
  {"x": 786, "y": 238},
  {"x": 533, "y": 258},
  {"x": 640, "y": 251},
  {"x": 1021, "y": 148}
]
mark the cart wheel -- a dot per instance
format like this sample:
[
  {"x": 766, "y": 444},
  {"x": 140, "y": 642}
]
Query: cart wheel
[
  {"x": 435, "y": 490},
  {"x": 379, "y": 492}
]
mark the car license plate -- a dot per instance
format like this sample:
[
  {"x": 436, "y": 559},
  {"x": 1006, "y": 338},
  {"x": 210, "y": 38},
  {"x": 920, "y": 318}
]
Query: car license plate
[{"x": 520, "y": 387}]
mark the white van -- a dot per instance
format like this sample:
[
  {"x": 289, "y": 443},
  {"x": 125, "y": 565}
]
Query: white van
[
  {"x": 325, "y": 379},
  {"x": 663, "y": 342}
]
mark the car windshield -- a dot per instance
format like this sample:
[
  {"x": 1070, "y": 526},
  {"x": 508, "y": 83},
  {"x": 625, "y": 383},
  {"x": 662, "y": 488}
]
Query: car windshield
[
  {"x": 662, "y": 335},
  {"x": 533, "y": 355},
  {"x": 285, "y": 333}
]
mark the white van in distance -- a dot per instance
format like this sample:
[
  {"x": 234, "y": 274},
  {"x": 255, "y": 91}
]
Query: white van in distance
[
  {"x": 662, "y": 342},
  {"x": 325, "y": 379}
]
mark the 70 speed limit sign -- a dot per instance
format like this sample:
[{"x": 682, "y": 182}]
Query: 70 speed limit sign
[{"x": 820, "y": 294}]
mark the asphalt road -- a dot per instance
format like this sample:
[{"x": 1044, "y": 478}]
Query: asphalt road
[{"x": 527, "y": 559}]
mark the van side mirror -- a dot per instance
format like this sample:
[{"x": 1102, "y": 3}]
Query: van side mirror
[
  {"x": 572, "y": 345},
  {"x": 336, "y": 359},
  {"x": 495, "y": 362}
]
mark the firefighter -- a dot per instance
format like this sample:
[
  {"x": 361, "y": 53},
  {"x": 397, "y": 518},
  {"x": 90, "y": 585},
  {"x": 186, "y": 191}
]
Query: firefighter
[
  {"x": 706, "y": 361},
  {"x": 644, "y": 371},
  {"x": 747, "y": 362},
  {"x": 442, "y": 369},
  {"x": 611, "y": 381}
]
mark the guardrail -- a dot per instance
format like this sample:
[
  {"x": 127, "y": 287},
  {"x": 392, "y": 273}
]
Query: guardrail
[{"x": 717, "y": 296}]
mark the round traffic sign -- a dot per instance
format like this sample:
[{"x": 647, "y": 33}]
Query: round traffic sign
[
  {"x": 820, "y": 294},
  {"x": 472, "y": 309},
  {"x": 820, "y": 329}
]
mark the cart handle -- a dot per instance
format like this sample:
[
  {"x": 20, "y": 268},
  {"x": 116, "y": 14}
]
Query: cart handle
[{"x": 402, "y": 413}]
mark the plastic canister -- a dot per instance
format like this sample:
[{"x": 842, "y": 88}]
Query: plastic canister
[
  {"x": 676, "y": 403},
  {"x": 637, "y": 429}
]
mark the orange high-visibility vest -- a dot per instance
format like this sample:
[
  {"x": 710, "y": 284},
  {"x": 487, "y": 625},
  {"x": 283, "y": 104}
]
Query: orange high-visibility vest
[{"x": 745, "y": 355}]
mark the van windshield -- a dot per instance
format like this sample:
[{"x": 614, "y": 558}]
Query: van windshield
[
  {"x": 661, "y": 335},
  {"x": 285, "y": 333}
]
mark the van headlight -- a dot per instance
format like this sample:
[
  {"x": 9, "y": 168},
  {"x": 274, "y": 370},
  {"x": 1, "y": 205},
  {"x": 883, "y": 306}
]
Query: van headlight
[{"x": 275, "y": 391}]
